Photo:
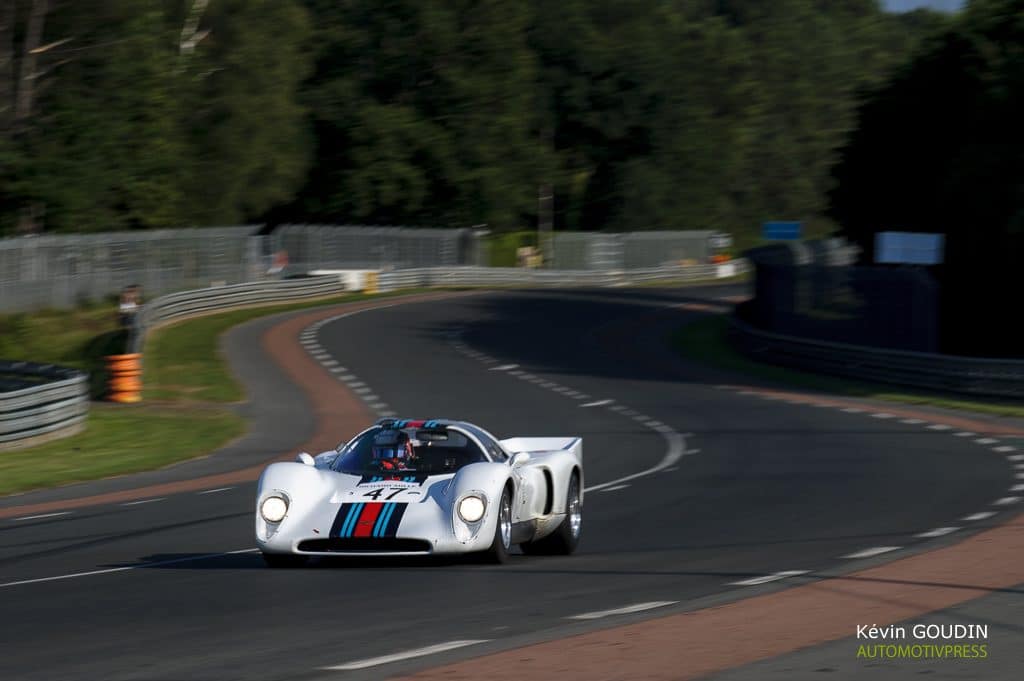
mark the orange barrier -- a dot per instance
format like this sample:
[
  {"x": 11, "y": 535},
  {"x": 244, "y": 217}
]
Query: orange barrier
[{"x": 125, "y": 378}]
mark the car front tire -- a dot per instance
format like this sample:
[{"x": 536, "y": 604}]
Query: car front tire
[{"x": 498, "y": 552}]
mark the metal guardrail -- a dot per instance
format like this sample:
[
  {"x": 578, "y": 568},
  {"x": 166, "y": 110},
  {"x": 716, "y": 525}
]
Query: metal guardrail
[
  {"x": 974, "y": 376},
  {"x": 40, "y": 400},
  {"x": 513, "y": 276}
]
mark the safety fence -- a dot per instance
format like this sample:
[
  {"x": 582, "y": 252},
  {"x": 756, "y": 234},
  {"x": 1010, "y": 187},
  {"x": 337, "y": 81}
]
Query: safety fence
[
  {"x": 40, "y": 401},
  {"x": 975, "y": 376}
]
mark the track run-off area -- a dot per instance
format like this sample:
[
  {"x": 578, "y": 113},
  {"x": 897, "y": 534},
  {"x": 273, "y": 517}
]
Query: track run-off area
[{"x": 704, "y": 490}]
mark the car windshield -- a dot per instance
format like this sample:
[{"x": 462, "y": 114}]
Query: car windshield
[{"x": 387, "y": 450}]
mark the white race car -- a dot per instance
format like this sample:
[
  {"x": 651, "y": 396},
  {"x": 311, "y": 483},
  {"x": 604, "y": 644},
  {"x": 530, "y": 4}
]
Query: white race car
[{"x": 422, "y": 487}]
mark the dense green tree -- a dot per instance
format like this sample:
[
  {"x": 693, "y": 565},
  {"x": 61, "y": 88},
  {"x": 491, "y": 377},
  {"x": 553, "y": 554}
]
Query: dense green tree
[
  {"x": 425, "y": 112},
  {"x": 941, "y": 149}
]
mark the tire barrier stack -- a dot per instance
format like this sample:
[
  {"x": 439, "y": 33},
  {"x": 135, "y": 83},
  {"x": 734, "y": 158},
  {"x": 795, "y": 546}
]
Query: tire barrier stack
[{"x": 124, "y": 383}]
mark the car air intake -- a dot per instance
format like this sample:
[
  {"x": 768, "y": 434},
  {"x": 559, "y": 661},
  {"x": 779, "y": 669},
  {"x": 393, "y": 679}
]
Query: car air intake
[{"x": 364, "y": 545}]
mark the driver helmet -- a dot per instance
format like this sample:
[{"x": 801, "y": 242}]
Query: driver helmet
[{"x": 392, "y": 444}]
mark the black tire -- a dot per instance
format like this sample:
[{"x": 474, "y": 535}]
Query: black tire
[
  {"x": 502, "y": 542},
  {"x": 283, "y": 560},
  {"x": 564, "y": 540}
]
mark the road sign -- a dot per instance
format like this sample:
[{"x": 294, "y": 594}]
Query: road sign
[
  {"x": 910, "y": 248},
  {"x": 781, "y": 229}
]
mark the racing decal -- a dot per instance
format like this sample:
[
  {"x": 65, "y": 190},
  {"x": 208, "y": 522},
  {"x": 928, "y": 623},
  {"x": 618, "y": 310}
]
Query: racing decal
[
  {"x": 368, "y": 520},
  {"x": 418, "y": 478}
]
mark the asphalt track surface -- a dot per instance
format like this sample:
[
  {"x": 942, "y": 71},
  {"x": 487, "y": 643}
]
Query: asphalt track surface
[{"x": 759, "y": 487}]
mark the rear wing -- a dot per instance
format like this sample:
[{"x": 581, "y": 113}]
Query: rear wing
[{"x": 542, "y": 444}]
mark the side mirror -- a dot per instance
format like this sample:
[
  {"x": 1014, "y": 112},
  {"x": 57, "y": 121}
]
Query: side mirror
[
  {"x": 519, "y": 458},
  {"x": 305, "y": 458}
]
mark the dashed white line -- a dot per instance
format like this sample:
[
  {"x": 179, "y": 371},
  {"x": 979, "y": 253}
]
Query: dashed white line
[
  {"x": 43, "y": 515},
  {"x": 338, "y": 369},
  {"x": 598, "y": 403},
  {"x": 362, "y": 391},
  {"x": 986, "y": 441},
  {"x": 638, "y": 607},
  {"x": 939, "y": 426},
  {"x": 1005, "y": 501},
  {"x": 515, "y": 372},
  {"x": 614, "y": 488},
  {"x": 937, "y": 532},
  {"x": 1016, "y": 457},
  {"x": 355, "y": 384},
  {"x": 769, "y": 578},
  {"x": 873, "y": 551},
  {"x": 329, "y": 362},
  {"x": 405, "y": 655},
  {"x": 144, "y": 501},
  {"x": 853, "y": 410},
  {"x": 911, "y": 422},
  {"x": 504, "y": 367},
  {"x": 1017, "y": 488},
  {"x": 1004, "y": 448},
  {"x": 618, "y": 408},
  {"x": 882, "y": 415},
  {"x": 965, "y": 433},
  {"x": 215, "y": 491},
  {"x": 979, "y": 516}
]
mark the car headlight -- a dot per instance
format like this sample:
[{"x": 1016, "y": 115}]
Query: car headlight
[
  {"x": 471, "y": 508},
  {"x": 273, "y": 509}
]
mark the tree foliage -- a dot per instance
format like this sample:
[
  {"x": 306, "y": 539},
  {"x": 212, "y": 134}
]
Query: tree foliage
[
  {"x": 640, "y": 114},
  {"x": 940, "y": 148}
]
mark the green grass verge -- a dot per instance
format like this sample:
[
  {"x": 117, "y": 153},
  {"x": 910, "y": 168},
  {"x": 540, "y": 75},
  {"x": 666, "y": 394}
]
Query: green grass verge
[
  {"x": 705, "y": 341},
  {"x": 185, "y": 412},
  {"x": 118, "y": 440}
]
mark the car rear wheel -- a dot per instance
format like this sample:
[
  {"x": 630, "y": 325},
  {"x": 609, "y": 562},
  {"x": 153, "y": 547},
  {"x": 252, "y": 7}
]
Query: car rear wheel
[
  {"x": 283, "y": 560},
  {"x": 498, "y": 552},
  {"x": 566, "y": 536}
]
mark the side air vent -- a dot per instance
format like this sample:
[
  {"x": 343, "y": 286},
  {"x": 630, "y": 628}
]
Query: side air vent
[{"x": 549, "y": 488}]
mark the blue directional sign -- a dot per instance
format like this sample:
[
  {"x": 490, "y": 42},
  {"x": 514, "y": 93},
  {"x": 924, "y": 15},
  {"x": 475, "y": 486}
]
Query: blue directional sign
[
  {"x": 911, "y": 248},
  {"x": 779, "y": 229}
]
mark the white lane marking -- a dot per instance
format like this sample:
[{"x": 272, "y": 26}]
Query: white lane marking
[
  {"x": 1017, "y": 488},
  {"x": 979, "y": 516},
  {"x": 515, "y": 372},
  {"x": 405, "y": 655},
  {"x": 214, "y": 491},
  {"x": 144, "y": 501},
  {"x": 106, "y": 571},
  {"x": 637, "y": 607},
  {"x": 619, "y": 408},
  {"x": 911, "y": 422},
  {"x": 616, "y": 487},
  {"x": 883, "y": 415},
  {"x": 873, "y": 551},
  {"x": 1016, "y": 457},
  {"x": 986, "y": 441},
  {"x": 599, "y": 403},
  {"x": 937, "y": 532},
  {"x": 1019, "y": 476},
  {"x": 321, "y": 355},
  {"x": 43, "y": 515},
  {"x": 1005, "y": 501},
  {"x": 348, "y": 377},
  {"x": 939, "y": 426},
  {"x": 965, "y": 433},
  {"x": 853, "y": 410},
  {"x": 769, "y": 578},
  {"x": 504, "y": 367},
  {"x": 362, "y": 391},
  {"x": 329, "y": 362},
  {"x": 355, "y": 384},
  {"x": 1004, "y": 448},
  {"x": 1018, "y": 466},
  {"x": 654, "y": 424},
  {"x": 676, "y": 450},
  {"x": 339, "y": 369}
]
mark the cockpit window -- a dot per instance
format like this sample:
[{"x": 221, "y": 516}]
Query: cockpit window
[{"x": 414, "y": 450}]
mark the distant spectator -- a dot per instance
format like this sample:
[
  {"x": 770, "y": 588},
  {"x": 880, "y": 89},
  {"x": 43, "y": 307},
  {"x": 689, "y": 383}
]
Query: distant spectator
[{"x": 128, "y": 306}]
